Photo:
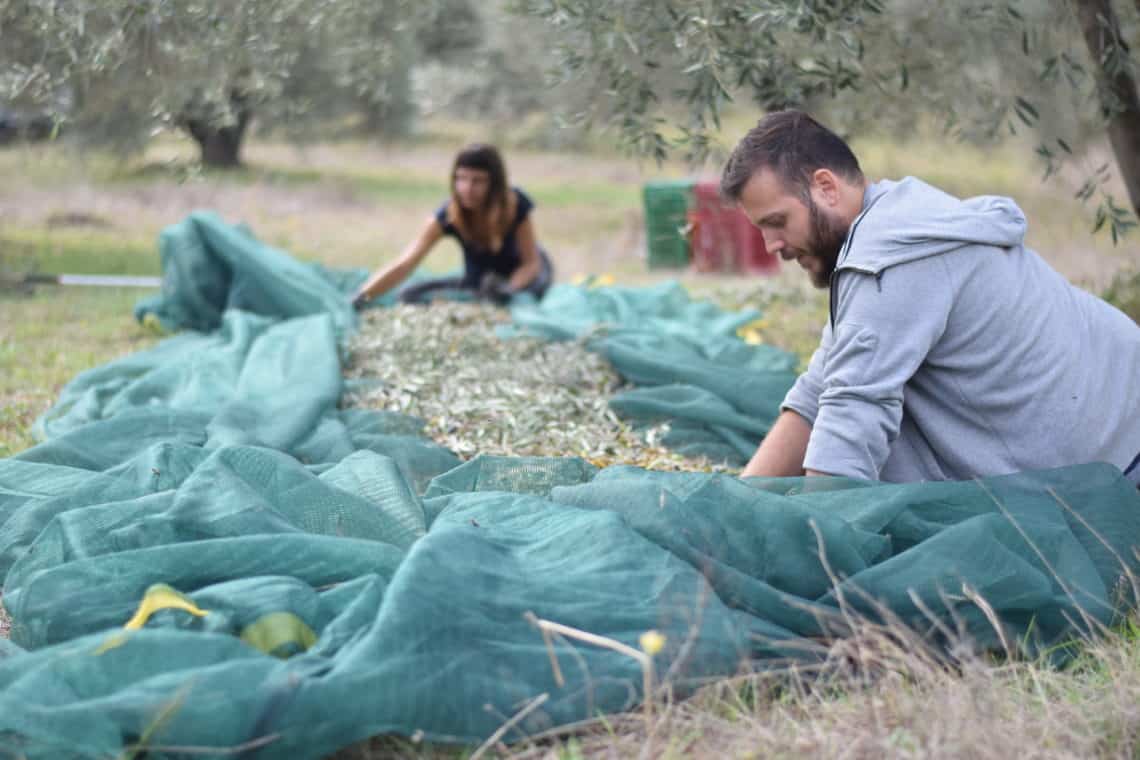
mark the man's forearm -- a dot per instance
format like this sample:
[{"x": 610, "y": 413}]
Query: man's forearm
[{"x": 781, "y": 453}]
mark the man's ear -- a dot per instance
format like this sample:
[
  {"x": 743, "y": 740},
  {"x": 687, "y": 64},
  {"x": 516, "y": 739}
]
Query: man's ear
[{"x": 825, "y": 187}]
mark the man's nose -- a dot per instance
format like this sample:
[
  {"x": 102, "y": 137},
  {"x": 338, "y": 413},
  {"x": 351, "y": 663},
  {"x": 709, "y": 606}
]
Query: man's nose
[{"x": 773, "y": 243}]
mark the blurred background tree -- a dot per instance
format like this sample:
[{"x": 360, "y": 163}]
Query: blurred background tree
[
  {"x": 1062, "y": 71},
  {"x": 116, "y": 71},
  {"x": 507, "y": 82}
]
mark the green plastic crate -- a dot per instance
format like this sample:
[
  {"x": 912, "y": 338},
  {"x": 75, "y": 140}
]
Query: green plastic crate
[{"x": 666, "y": 217}]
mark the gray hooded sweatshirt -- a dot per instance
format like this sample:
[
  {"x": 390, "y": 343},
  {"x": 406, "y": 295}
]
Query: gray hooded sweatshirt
[{"x": 953, "y": 351}]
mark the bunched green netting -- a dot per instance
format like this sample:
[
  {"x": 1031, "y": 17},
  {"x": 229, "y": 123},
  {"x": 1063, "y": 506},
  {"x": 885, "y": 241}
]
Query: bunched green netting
[
  {"x": 719, "y": 394},
  {"x": 206, "y": 553}
]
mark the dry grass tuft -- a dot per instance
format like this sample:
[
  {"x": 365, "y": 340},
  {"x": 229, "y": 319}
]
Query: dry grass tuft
[
  {"x": 905, "y": 702},
  {"x": 881, "y": 691}
]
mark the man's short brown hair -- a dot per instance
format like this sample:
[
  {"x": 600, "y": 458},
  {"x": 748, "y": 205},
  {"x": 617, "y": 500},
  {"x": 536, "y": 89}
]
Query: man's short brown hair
[{"x": 792, "y": 144}]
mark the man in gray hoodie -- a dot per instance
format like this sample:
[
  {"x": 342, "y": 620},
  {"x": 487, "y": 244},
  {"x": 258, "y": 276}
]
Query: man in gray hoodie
[{"x": 952, "y": 350}]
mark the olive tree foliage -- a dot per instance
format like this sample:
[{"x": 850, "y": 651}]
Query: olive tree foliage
[
  {"x": 505, "y": 84},
  {"x": 1063, "y": 72},
  {"x": 127, "y": 68}
]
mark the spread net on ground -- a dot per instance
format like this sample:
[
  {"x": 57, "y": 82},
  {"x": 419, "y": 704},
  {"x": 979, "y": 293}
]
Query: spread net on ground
[{"x": 206, "y": 553}]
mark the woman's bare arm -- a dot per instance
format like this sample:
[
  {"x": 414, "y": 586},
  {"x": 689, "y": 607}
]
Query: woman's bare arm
[
  {"x": 392, "y": 275},
  {"x": 531, "y": 264}
]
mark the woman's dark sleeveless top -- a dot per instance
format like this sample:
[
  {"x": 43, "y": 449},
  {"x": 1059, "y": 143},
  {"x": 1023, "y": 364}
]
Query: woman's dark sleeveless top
[{"x": 478, "y": 260}]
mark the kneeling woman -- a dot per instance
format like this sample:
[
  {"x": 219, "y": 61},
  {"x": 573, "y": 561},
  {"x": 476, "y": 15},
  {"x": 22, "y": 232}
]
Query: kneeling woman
[{"x": 493, "y": 224}]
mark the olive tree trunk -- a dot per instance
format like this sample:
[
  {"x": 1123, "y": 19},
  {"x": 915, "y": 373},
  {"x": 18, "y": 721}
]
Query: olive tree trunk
[
  {"x": 1119, "y": 97},
  {"x": 220, "y": 144}
]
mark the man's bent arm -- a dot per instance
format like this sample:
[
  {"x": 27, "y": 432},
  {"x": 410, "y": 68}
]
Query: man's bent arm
[
  {"x": 886, "y": 326},
  {"x": 781, "y": 453}
]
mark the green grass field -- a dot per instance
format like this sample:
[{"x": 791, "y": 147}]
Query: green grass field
[{"x": 356, "y": 204}]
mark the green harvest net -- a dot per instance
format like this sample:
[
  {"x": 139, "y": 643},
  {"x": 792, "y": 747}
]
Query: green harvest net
[{"x": 205, "y": 553}]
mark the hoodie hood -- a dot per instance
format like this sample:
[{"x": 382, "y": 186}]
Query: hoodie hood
[{"x": 909, "y": 220}]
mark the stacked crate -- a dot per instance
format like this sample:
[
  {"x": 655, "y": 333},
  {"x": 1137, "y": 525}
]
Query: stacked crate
[
  {"x": 723, "y": 239},
  {"x": 667, "y": 205},
  {"x": 686, "y": 222}
]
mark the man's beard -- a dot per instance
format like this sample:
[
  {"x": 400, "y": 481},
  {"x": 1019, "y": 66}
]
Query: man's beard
[{"x": 827, "y": 238}]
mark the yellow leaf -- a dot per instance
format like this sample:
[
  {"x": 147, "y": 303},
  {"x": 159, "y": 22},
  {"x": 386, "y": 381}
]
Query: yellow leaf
[
  {"x": 161, "y": 597},
  {"x": 157, "y": 597}
]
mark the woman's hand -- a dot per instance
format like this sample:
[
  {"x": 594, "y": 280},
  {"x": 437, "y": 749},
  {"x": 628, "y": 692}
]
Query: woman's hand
[
  {"x": 495, "y": 289},
  {"x": 361, "y": 299}
]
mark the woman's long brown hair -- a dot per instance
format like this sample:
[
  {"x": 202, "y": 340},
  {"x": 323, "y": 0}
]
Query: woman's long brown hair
[{"x": 486, "y": 226}]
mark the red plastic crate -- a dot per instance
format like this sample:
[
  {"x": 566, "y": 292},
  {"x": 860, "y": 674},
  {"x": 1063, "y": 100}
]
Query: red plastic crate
[{"x": 721, "y": 237}]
